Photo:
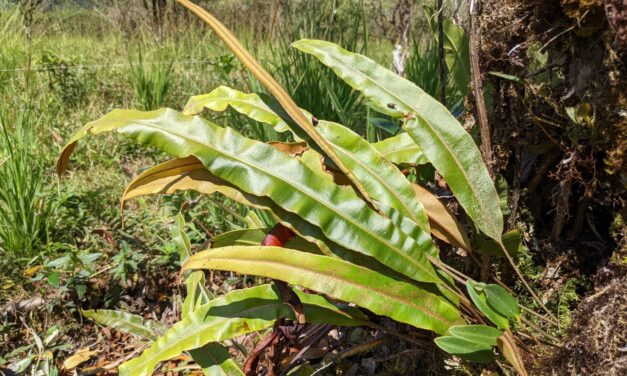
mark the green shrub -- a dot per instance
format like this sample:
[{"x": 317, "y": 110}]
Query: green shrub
[{"x": 361, "y": 236}]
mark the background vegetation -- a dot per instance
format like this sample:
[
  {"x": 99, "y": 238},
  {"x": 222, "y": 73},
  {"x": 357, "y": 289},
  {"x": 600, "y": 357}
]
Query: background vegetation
[{"x": 65, "y": 246}]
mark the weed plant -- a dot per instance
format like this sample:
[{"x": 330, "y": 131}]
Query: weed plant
[
  {"x": 150, "y": 80},
  {"x": 23, "y": 208}
]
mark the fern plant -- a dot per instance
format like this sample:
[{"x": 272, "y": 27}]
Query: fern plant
[{"x": 350, "y": 225}]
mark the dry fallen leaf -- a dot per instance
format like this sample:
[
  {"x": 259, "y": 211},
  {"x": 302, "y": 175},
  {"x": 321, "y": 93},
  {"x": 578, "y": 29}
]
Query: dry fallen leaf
[
  {"x": 29, "y": 272},
  {"x": 81, "y": 356}
]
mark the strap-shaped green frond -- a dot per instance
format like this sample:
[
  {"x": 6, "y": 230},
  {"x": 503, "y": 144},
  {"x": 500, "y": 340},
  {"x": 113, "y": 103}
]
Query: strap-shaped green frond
[{"x": 442, "y": 139}]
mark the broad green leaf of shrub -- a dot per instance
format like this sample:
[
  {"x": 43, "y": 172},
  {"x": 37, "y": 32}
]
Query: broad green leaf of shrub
[
  {"x": 261, "y": 170},
  {"x": 442, "y": 139},
  {"x": 338, "y": 279},
  {"x": 231, "y": 315},
  {"x": 502, "y": 301},
  {"x": 481, "y": 334},
  {"x": 478, "y": 297},
  {"x": 122, "y": 321},
  {"x": 467, "y": 350},
  {"x": 190, "y": 174}
]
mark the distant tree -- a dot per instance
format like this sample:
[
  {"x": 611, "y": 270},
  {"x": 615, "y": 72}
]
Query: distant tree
[
  {"x": 28, "y": 8},
  {"x": 158, "y": 10}
]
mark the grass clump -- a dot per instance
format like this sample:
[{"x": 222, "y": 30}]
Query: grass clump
[
  {"x": 23, "y": 208},
  {"x": 150, "y": 80}
]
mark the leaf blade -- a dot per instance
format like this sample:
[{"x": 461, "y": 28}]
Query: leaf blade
[
  {"x": 380, "y": 178},
  {"x": 467, "y": 350},
  {"x": 400, "y": 149},
  {"x": 336, "y": 278},
  {"x": 443, "y": 223},
  {"x": 444, "y": 142},
  {"x": 482, "y": 334},
  {"x": 383, "y": 181},
  {"x": 120, "y": 320},
  {"x": 479, "y": 299},
  {"x": 502, "y": 301}
]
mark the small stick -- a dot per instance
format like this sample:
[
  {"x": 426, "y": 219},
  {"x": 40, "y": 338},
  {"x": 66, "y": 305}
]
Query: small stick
[
  {"x": 441, "y": 53},
  {"x": 528, "y": 310},
  {"x": 482, "y": 115}
]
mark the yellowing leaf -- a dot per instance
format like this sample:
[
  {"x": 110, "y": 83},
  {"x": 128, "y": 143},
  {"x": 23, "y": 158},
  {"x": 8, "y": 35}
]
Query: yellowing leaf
[
  {"x": 511, "y": 352},
  {"x": 80, "y": 357},
  {"x": 443, "y": 223},
  {"x": 178, "y": 174},
  {"x": 29, "y": 272},
  {"x": 338, "y": 279}
]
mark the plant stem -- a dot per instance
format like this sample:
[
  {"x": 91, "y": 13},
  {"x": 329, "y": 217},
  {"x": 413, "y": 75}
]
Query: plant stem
[
  {"x": 482, "y": 117},
  {"x": 554, "y": 340},
  {"x": 524, "y": 281}
]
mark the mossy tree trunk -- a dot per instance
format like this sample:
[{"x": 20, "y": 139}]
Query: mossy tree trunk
[{"x": 559, "y": 132}]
